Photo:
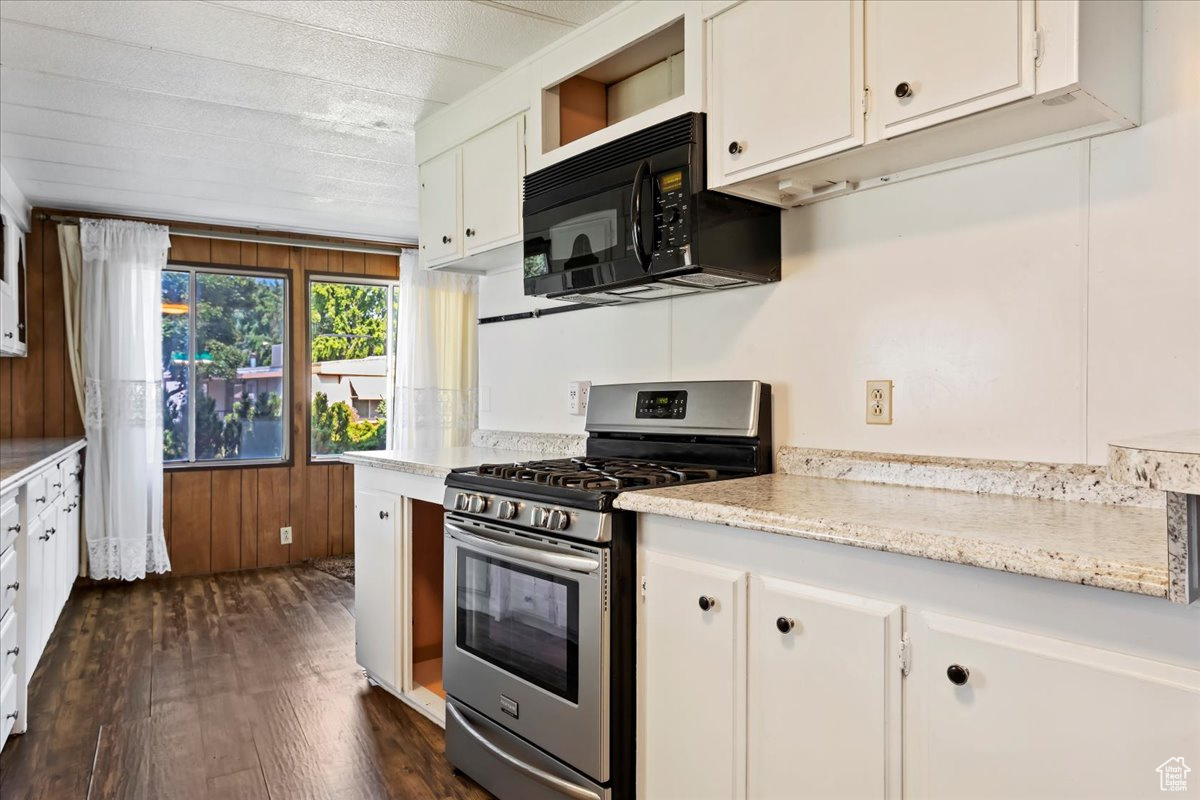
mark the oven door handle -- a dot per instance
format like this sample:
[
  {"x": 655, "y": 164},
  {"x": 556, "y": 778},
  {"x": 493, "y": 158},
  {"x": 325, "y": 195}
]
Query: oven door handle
[
  {"x": 527, "y": 554},
  {"x": 541, "y": 776}
]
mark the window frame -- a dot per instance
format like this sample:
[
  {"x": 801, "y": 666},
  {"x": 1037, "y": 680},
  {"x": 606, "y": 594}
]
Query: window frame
[
  {"x": 286, "y": 460},
  {"x": 392, "y": 285}
]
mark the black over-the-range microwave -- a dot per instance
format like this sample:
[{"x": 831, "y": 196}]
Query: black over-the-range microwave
[{"x": 633, "y": 220}]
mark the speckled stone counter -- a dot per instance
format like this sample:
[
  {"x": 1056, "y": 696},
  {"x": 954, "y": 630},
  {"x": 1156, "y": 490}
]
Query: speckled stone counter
[
  {"x": 558, "y": 444},
  {"x": 1168, "y": 462},
  {"x": 437, "y": 463},
  {"x": 20, "y": 458},
  {"x": 1113, "y": 547}
]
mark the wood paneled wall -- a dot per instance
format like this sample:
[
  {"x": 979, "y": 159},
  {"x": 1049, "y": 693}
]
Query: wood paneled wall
[{"x": 222, "y": 519}]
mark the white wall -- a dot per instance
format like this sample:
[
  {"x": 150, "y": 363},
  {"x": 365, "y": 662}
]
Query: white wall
[{"x": 1030, "y": 308}]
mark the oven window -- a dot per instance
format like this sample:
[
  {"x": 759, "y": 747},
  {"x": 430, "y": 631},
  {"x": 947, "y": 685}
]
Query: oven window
[{"x": 521, "y": 620}]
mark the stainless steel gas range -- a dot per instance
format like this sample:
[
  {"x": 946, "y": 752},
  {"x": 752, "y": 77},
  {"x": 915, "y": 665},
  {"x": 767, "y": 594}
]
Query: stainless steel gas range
[{"x": 539, "y": 645}]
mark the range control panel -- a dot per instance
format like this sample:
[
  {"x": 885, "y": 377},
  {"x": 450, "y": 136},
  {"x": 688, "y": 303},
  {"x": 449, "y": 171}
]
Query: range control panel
[{"x": 662, "y": 405}]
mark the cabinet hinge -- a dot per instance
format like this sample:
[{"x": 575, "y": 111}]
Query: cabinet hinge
[
  {"x": 905, "y": 655},
  {"x": 1039, "y": 46},
  {"x": 866, "y": 102},
  {"x": 643, "y": 587}
]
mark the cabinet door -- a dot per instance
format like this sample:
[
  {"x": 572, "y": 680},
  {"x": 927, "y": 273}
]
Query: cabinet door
[
  {"x": 930, "y": 61},
  {"x": 37, "y": 598},
  {"x": 1034, "y": 716},
  {"x": 693, "y": 680},
  {"x": 493, "y": 166},
  {"x": 61, "y": 542},
  {"x": 825, "y": 686},
  {"x": 440, "y": 227},
  {"x": 786, "y": 85},
  {"x": 377, "y": 525}
]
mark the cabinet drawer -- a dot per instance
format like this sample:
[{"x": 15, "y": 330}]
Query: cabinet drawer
[
  {"x": 10, "y": 521},
  {"x": 70, "y": 471},
  {"x": 8, "y": 646},
  {"x": 37, "y": 494},
  {"x": 8, "y": 580},
  {"x": 8, "y": 706}
]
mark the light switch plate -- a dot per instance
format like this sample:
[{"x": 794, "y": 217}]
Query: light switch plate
[{"x": 879, "y": 402}]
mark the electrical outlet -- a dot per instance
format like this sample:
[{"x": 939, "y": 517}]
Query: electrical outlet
[
  {"x": 285, "y": 534},
  {"x": 879, "y": 402},
  {"x": 577, "y": 397}
]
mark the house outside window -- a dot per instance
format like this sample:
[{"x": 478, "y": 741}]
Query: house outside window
[
  {"x": 352, "y": 355},
  {"x": 225, "y": 372}
]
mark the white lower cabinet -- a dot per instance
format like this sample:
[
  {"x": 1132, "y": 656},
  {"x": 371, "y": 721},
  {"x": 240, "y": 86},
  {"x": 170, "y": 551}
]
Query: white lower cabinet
[
  {"x": 1002, "y": 713},
  {"x": 824, "y": 694},
  {"x": 38, "y": 592},
  {"x": 693, "y": 680},
  {"x": 377, "y": 522}
]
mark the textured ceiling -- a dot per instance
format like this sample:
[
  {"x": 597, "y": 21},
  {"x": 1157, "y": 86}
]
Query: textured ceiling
[{"x": 294, "y": 114}]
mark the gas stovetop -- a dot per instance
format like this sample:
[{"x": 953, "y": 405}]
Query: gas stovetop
[{"x": 583, "y": 481}]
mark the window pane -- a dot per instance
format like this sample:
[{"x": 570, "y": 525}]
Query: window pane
[
  {"x": 240, "y": 367},
  {"x": 348, "y": 331},
  {"x": 176, "y": 320}
]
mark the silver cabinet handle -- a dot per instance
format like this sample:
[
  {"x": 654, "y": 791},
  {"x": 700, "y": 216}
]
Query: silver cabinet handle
[{"x": 541, "y": 776}]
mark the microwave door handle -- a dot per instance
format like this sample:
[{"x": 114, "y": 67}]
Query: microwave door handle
[
  {"x": 527, "y": 554},
  {"x": 635, "y": 215},
  {"x": 541, "y": 776}
]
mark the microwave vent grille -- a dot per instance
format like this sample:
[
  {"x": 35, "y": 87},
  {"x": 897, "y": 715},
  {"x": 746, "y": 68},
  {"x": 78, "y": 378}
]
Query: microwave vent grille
[
  {"x": 706, "y": 281},
  {"x": 681, "y": 130}
]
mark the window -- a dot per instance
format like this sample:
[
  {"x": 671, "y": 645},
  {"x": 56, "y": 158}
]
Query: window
[
  {"x": 351, "y": 330},
  {"x": 225, "y": 374}
]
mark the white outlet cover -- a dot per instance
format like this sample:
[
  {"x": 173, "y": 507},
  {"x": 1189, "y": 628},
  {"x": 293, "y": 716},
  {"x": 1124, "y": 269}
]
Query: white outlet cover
[
  {"x": 285, "y": 534},
  {"x": 577, "y": 397}
]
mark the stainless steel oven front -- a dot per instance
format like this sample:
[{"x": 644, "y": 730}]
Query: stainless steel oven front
[{"x": 527, "y": 636}]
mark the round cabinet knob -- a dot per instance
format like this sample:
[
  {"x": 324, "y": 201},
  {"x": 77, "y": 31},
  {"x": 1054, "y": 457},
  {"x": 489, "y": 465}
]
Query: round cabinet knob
[
  {"x": 736, "y": 148},
  {"x": 14, "y": 586},
  {"x": 45, "y": 537},
  {"x": 39, "y": 499},
  {"x": 707, "y": 603},
  {"x": 14, "y": 528},
  {"x": 445, "y": 240},
  {"x": 785, "y": 624},
  {"x": 57, "y": 485},
  {"x": 958, "y": 674},
  {"x": 904, "y": 90},
  {"x": 384, "y": 514},
  {"x": 51, "y": 531},
  {"x": 8, "y": 334},
  {"x": 506, "y": 510},
  {"x": 13, "y": 715},
  {"x": 470, "y": 231},
  {"x": 14, "y": 651},
  {"x": 559, "y": 520}
]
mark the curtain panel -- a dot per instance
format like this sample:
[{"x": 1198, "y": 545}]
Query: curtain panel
[
  {"x": 437, "y": 398},
  {"x": 121, "y": 316}
]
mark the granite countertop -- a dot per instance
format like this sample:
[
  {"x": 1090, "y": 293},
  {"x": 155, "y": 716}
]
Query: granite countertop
[
  {"x": 437, "y": 462},
  {"x": 20, "y": 458},
  {"x": 1121, "y": 547},
  {"x": 1168, "y": 462}
]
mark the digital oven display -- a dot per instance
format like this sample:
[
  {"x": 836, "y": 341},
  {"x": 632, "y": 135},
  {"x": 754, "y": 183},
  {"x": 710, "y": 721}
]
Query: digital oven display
[{"x": 662, "y": 405}]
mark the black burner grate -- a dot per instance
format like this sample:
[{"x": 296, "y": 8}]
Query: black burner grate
[{"x": 597, "y": 474}]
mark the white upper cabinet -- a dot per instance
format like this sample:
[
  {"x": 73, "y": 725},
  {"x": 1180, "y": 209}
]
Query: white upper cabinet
[
  {"x": 471, "y": 201},
  {"x": 785, "y": 84},
  {"x": 931, "y": 61},
  {"x": 493, "y": 167},
  {"x": 440, "y": 212},
  {"x": 692, "y": 681},
  {"x": 825, "y": 686},
  {"x": 1002, "y": 713}
]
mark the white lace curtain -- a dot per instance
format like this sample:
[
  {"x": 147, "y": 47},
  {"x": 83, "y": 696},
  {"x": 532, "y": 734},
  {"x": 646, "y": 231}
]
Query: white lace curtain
[
  {"x": 120, "y": 319},
  {"x": 436, "y": 396}
]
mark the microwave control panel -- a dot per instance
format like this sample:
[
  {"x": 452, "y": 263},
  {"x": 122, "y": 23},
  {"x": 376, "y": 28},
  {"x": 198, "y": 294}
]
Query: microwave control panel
[
  {"x": 662, "y": 405},
  {"x": 672, "y": 222}
]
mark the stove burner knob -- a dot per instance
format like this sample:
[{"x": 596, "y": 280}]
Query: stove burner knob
[
  {"x": 507, "y": 510},
  {"x": 460, "y": 502},
  {"x": 540, "y": 518},
  {"x": 477, "y": 504},
  {"x": 559, "y": 520}
]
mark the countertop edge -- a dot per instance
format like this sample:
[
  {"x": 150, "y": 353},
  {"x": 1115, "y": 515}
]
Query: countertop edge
[
  {"x": 15, "y": 480},
  {"x": 1163, "y": 470},
  {"x": 396, "y": 465},
  {"x": 1057, "y": 566}
]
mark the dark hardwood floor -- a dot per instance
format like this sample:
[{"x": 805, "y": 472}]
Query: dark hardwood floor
[{"x": 240, "y": 685}]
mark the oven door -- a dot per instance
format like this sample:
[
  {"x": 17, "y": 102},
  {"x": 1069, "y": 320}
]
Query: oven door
[{"x": 526, "y": 637}]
